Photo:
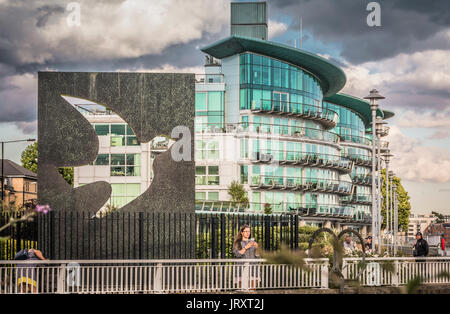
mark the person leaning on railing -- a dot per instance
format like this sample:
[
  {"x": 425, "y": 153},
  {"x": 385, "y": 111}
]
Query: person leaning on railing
[
  {"x": 26, "y": 273},
  {"x": 246, "y": 248}
]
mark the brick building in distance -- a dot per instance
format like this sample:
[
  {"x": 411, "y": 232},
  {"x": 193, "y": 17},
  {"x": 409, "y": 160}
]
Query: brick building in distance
[{"x": 19, "y": 184}]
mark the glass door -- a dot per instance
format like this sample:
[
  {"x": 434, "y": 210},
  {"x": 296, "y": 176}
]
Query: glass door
[{"x": 280, "y": 102}]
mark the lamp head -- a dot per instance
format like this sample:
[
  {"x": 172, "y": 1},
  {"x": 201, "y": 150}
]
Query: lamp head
[{"x": 374, "y": 95}]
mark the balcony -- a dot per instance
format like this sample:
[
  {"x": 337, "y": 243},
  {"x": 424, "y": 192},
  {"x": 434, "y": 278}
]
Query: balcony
[
  {"x": 358, "y": 198},
  {"x": 360, "y": 160},
  {"x": 267, "y": 130},
  {"x": 347, "y": 138},
  {"x": 336, "y": 162},
  {"x": 301, "y": 184},
  {"x": 326, "y": 117},
  {"x": 209, "y": 78},
  {"x": 365, "y": 180},
  {"x": 362, "y": 217},
  {"x": 301, "y": 209}
]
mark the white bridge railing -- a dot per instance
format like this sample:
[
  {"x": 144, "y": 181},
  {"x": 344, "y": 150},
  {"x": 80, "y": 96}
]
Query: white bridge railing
[
  {"x": 213, "y": 275},
  {"x": 397, "y": 271},
  {"x": 157, "y": 276}
]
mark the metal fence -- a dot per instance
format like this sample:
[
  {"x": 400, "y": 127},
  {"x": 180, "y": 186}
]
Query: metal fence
[
  {"x": 148, "y": 235},
  {"x": 18, "y": 236},
  {"x": 157, "y": 276}
]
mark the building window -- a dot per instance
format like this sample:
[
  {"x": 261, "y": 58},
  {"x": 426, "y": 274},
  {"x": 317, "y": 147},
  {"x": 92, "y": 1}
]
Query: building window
[
  {"x": 123, "y": 135},
  {"x": 102, "y": 129},
  {"x": 244, "y": 147},
  {"x": 200, "y": 196},
  {"x": 126, "y": 165},
  {"x": 207, "y": 175},
  {"x": 256, "y": 201},
  {"x": 206, "y": 150},
  {"x": 213, "y": 196},
  {"x": 120, "y": 134},
  {"x": 123, "y": 193},
  {"x": 102, "y": 160},
  {"x": 244, "y": 174}
]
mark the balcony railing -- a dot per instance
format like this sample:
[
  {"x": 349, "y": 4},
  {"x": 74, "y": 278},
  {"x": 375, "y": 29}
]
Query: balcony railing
[
  {"x": 209, "y": 78},
  {"x": 301, "y": 183},
  {"x": 328, "y": 118},
  {"x": 269, "y": 129},
  {"x": 302, "y": 209},
  {"x": 358, "y": 198},
  {"x": 360, "y": 160},
  {"x": 304, "y": 159},
  {"x": 362, "y": 180},
  {"x": 158, "y": 276},
  {"x": 355, "y": 139}
]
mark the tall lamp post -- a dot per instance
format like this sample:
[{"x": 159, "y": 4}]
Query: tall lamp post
[
  {"x": 395, "y": 219},
  {"x": 387, "y": 156},
  {"x": 391, "y": 202},
  {"x": 3, "y": 165},
  {"x": 381, "y": 131},
  {"x": 373, "y": 97}
]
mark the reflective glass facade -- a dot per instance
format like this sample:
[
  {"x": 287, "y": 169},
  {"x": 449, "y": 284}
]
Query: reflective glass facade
[
  {"x": 350, "y": 125},
  {"x": 209, "y": 110},
  {"x": 264, "y": 80}
]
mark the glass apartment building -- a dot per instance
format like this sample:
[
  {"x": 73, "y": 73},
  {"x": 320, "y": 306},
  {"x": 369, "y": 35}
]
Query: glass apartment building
[{"x": 269, "y": 116}]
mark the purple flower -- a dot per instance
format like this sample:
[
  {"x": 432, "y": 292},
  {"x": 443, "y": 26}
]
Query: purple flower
[{"x": 43, "y": 208}]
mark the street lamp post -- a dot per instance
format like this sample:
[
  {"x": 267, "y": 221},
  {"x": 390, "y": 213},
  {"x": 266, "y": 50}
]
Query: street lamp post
[
  {"x": 391, "y": 201},
  {"x": 3, "y": 165},
  {"x": 395, "y": 219},
  {"x": 380, "y": 132},
  {"x": 387, "y": 157},
  {"x": 373, "y": 97}
]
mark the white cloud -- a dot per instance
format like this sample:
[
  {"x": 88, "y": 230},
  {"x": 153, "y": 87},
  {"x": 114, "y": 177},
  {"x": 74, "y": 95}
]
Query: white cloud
[
  {"x": 436, "y": 119},
  {"x": 276, "y": 28},
  {"x": 415, "y": 161},
  {"x": 112, "y": 29}
]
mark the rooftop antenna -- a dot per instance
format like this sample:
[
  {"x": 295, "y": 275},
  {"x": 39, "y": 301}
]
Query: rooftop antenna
[{"x": 301, "y": 33}]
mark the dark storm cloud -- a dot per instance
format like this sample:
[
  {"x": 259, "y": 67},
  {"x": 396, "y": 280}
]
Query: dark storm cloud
[
  {"x": 45, "y": 12},
  {"x": 20, "y": 105},
  {"x": 19, "y": 23},
  {"x": 405, "y": 25}
]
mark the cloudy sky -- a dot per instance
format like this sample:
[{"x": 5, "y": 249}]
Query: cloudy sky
[{"x": 406, "y": 59}]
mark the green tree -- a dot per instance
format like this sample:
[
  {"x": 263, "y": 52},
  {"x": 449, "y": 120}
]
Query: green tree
[
  {"x": 404, "y": 206},
  {"x": 30, "y": 161},
  {"x": 267, "y": 209},
  {"x": 439, "y": 217},
  {"x": 237, "y": 193}
]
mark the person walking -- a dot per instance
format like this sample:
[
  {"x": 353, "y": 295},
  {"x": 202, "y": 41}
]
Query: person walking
[
  {"x": 246, "y": 248},
  {"x": 368, "y": 244},
  {"x": 420, "y": 246}
]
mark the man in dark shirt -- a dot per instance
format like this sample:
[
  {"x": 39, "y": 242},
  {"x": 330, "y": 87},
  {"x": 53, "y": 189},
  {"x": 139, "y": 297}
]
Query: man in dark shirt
[{"x": 421, "y": 246}]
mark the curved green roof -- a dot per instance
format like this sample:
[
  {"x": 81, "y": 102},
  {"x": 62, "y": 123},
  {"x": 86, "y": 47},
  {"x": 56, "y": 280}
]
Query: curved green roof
[
  {"x": 358, "y": 105},
  {"x": 388, "y": 114},
  {"x": 331, "y": 77}
]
